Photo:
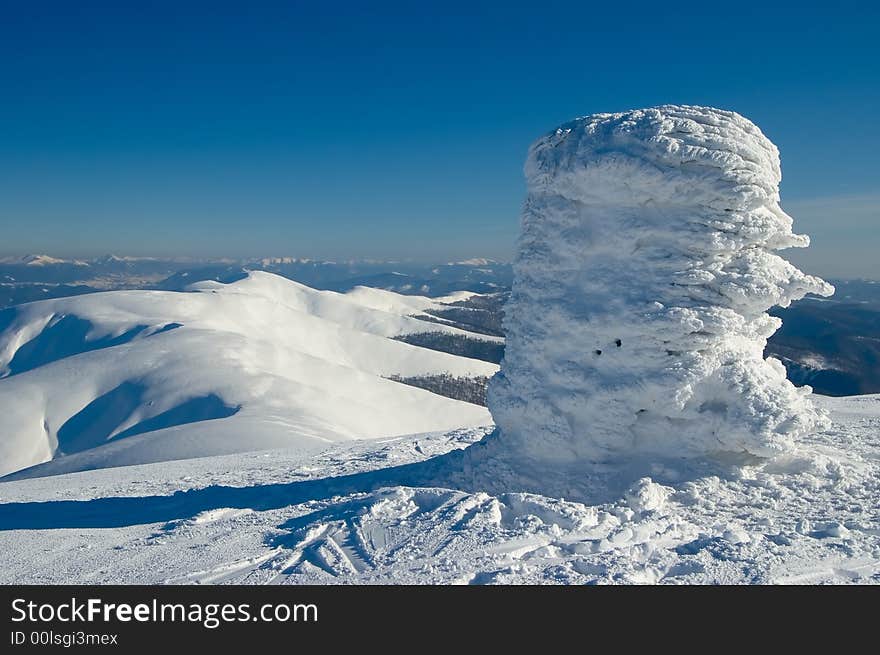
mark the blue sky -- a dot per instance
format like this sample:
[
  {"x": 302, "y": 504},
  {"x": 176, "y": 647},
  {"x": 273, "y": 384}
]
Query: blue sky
[{"x": 398, "y": 131}]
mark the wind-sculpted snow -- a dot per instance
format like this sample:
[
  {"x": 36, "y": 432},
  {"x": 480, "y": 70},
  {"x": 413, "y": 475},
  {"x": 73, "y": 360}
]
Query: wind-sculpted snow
[
  {"x": 645, "y": 268},
  {"x": 128, "y": 377}
]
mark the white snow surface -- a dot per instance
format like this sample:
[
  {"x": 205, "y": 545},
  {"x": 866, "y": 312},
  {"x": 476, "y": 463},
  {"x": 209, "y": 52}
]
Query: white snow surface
[
  {"x": 127, "y": 377},
  {"x": 389, "y": 301},
  {"x": 354, "y": 514},
  {"x": 646, "y": 264},
  {"x": 677, "y": 455}
]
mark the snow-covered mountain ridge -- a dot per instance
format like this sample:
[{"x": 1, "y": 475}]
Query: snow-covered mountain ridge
[
  {"x": 127, "y": 377},
  {"x": 641, "y": 434}
]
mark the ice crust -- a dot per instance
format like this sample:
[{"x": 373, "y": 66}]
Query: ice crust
[{"x": 638, "y": 318}]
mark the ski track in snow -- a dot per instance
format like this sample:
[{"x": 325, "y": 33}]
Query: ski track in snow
[{"x": 806, "y": 518}]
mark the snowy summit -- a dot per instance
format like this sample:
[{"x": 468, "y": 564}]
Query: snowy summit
[{"x": 640, "y": 437}]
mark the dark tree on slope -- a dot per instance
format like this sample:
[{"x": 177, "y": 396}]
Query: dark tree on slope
[
  {"x": 470, "y": 390},
  {"x": 482, "y": 314},
  {"x": 456, "y": 344}
]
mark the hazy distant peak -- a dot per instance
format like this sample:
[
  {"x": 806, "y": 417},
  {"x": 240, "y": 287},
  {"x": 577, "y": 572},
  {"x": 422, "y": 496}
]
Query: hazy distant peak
[
  {"x": 475, "y": 261},
  {"x": 41, "y": 260}
]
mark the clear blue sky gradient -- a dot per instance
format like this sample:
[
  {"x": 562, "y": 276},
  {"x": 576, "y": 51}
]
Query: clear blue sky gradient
[{"x": 361, "y": 129}]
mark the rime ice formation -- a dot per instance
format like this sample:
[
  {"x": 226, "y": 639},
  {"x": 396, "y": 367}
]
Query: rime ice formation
[{"x": 637, "y": 320}]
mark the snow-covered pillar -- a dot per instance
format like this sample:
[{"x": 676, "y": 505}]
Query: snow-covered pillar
[{"x": 637, "y": 320}]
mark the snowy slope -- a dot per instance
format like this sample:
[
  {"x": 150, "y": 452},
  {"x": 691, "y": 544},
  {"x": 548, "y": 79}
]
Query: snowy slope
[
  {"x": 127, "y": 377},
  {"x": 389, "y": 301},
  {"x": 349, "y": 515}
]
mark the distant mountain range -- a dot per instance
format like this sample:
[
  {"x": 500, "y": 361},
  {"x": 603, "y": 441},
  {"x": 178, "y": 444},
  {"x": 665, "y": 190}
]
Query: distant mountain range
[
  {"x": 33, "y": 277},
  {"x": 832, "y": 344}
]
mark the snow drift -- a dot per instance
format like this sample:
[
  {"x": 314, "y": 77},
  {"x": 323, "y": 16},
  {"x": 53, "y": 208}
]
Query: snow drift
[
  {"x": 638, "y": 319},
  {"x": 127, "y": 377}
]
